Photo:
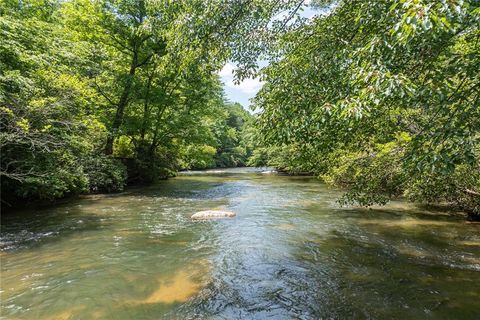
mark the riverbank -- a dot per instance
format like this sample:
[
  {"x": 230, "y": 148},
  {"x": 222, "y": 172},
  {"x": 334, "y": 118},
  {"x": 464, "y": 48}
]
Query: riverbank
[
  {"x": 436, "y": 209},
  {"x": 130, "y": 184}
]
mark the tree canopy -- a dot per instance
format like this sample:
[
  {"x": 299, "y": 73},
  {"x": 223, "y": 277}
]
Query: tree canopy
[
  {"x": 91, "y": 88},
  {"x": 381, "y": 98}
]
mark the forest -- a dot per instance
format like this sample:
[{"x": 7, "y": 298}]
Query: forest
[
  {"x": 377, "y": 98},
  {"x": 98, "y": 94}
]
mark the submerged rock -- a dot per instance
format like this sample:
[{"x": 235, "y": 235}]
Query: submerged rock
[{"x": 213, "y": 214}]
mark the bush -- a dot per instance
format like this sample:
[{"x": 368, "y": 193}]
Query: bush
[
  {"x": 458, "y": 188},
  {"x": 234, "y": 157},
  {"x": 294, "y": 159},
  {"x": 259, "y": 158},
  {"x": 59, "y": 183},
  {"x": 105, "y": 174},
  {"x": 52, "y": 176},
  {"x": 369, "y": 178}
]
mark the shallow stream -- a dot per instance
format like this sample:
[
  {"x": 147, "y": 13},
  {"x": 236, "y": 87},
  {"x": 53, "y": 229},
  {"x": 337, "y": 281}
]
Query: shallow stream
[{"x": 290, "y": 253}]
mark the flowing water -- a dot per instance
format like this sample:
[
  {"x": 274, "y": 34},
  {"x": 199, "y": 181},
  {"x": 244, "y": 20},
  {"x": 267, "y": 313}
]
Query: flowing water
[{"x": 290, "y": 252}]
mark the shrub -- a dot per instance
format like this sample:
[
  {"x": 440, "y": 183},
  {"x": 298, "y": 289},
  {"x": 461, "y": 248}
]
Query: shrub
[{"x": 105, "y": 174}]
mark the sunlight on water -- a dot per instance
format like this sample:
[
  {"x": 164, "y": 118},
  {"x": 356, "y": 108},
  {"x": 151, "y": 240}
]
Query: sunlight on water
[
  {"x": 406, "y": 223},
  {"x": 291, "y": 252},
  {"x": 470, "y": 243},
  {"x": 177, "y": 288},
  {"x": 285, "y": 226}
]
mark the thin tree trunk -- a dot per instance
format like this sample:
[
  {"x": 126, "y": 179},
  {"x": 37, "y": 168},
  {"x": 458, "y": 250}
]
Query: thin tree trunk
[
  {"x": 121, "y": 105},
  {"x": 146, "y": 110}
]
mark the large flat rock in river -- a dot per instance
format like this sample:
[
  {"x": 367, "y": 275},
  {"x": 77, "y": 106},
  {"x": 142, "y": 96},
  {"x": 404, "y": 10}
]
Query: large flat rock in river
[{"x": 213, "y": 214}]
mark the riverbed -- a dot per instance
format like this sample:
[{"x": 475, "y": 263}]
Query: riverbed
[{"x": 291, "y": 252}]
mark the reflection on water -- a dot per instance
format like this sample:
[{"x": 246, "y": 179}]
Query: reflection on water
[{"x": 291, "y": 252}]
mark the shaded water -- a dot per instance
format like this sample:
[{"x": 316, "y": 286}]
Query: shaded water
[{"x": 291, "y": 252}]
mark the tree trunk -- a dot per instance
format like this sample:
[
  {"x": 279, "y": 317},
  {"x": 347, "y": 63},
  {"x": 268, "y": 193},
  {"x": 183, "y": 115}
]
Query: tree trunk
[
  {"x": 121, "y": 105},
  {"x": 146, "y": 111}
]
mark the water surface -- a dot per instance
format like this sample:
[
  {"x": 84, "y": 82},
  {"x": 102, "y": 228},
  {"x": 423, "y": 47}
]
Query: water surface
[{"x": 291, "y": 253}]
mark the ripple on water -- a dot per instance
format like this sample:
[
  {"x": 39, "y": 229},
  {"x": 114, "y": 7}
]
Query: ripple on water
[{"x": 290, "y": 253}]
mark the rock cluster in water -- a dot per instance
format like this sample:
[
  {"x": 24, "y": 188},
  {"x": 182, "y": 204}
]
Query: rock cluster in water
[{"x": 213, "y": 214}]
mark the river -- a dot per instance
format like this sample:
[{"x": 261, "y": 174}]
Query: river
[{"x": 290, "y": 253}]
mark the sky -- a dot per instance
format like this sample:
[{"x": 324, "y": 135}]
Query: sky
[
  {"x": 248, "y": 88},
  {"x": 241, "y": 92}
]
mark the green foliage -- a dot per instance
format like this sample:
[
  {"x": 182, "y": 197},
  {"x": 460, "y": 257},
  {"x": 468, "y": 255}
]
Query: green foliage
[
  {"x": 460, "y": 188},
  {"x": 56, "y": 182},
  {"x": 382, "y": 97},
  {"x": 295, "y": 159},
  {"x": 378, "y": 97},
  {"x": 199, "y": 156},
  {"x": 259, "y": 157},
  {"x": 45, "y": 126},
  {"x": 104, "y": 173},
  {"x": 135, "y": 80},
  {"x": 233, "y": 150},
  {"x": 221, "y": 139},
  {"x": 371, "y": 177}
]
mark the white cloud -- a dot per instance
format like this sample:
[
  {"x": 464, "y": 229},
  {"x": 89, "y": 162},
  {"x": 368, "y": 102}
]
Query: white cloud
[
  {"x": 227, "y": 71},
  {"x": 248, "y": 86}
]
